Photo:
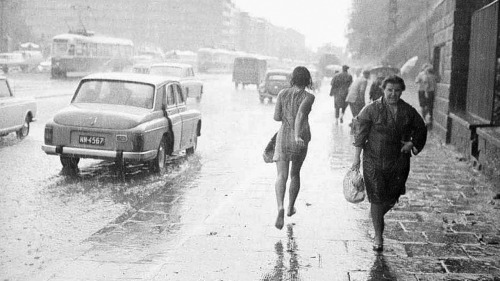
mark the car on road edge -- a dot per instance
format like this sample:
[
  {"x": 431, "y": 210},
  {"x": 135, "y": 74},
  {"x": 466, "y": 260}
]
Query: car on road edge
[
  {"x": 16, "y": 114},
  {"x": 123, "y": 117}
]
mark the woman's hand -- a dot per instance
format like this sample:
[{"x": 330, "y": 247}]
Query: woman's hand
[
  {"x": 407, "y": 146},
  {"x": 299, "y": 141},
  {"x": 355, "y": 165}
]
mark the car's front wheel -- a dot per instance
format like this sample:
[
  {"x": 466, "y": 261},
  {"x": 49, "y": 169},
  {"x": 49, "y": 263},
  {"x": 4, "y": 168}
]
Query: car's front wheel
[
  {"x": 70, "y": 163},
  {"x": 25, "y": 129},
  {"x": 158, "y": 163}
]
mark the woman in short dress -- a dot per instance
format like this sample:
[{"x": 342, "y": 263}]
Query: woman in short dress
[
  {"x": 387, "y": 131},
  {"x": 292, "y": 110}
]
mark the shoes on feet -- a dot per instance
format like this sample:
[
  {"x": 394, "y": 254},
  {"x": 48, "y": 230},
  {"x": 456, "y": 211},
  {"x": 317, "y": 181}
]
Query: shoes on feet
[
  {"x": 378, "y": 247},
  {"x": 291, "y": 211}
]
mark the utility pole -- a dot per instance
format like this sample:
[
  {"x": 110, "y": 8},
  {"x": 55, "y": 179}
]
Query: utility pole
[{"x": 3, "y": 32}]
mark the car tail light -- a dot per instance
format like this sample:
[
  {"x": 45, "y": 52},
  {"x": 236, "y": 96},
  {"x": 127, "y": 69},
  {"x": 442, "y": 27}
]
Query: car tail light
[
  {"x": 138, "y": 141},
  {"x": 49, "y": 134}
]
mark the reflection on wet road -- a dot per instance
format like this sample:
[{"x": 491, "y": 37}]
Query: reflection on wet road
[{"x": 287, "y": 264}]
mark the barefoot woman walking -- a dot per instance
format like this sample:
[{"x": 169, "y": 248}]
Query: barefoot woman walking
[{"x": 292, "y": 109}]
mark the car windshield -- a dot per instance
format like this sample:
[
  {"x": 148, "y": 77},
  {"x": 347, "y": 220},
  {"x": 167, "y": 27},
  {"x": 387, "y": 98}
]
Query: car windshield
[
  {"x": 115, "y": 92},
  {"x": 278, "y": 77},
  {"x": 167, "y": 71}
]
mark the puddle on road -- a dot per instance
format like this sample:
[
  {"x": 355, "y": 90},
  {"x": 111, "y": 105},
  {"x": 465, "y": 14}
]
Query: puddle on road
[{"x": 101, "y": 180}]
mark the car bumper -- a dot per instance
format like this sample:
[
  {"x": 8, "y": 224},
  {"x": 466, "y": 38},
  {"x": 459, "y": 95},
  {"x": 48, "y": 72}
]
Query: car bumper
[{"x": 99, "y": 154}]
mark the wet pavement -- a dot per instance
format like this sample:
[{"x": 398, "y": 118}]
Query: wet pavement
[{"x": 211, "y": 217}]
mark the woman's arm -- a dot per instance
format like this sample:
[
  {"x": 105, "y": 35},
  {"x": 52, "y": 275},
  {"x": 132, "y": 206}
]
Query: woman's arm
[
  {"x": 362, "y": 125},
  {"x": 304, "y": 109},
  {"x": 277, "y": 108},
  {"x": 356, "y": 161}
]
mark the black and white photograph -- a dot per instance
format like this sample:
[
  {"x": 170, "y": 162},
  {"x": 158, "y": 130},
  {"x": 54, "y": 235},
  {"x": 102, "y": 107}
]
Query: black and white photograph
[{"x": 249, "y": 140}]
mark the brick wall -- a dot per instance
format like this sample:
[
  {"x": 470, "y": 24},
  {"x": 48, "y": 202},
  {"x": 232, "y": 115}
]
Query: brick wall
[
  {"x": 489, "y": 152},
  {"x": 442, "y": 30}
]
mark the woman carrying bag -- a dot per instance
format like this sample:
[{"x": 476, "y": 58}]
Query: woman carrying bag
[
  {"x": 387, "y": 130},
  {"x": 292, "y": 110}
]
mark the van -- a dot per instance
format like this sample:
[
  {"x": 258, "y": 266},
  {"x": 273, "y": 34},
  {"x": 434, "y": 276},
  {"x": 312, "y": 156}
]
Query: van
[{"x": 249, "y": 70}]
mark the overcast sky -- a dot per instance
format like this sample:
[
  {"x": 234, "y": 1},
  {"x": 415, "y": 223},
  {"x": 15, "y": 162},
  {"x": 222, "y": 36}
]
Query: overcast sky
[{"x": 321, "y": 21}]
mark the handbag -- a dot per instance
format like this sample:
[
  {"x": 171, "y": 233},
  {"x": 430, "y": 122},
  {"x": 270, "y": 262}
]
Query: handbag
[
  {"x": 269, "y": 150},
  {"x": 354, "y": 187}
]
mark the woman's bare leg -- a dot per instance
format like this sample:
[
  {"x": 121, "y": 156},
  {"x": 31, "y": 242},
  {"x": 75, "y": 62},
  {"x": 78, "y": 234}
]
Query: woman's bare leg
[
  {"x": 294, "y": 186},
  {"x": 378, "y": 212},
  {"x": 280, "y": 187}
]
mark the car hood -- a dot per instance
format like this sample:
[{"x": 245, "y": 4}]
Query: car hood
[{"x": 103, "y": 116}]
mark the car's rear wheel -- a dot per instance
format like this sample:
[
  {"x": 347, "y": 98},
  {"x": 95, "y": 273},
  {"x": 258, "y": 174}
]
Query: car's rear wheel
[
  {"x": 70, "y": 163},
  {"x": 192, "y": 149},
  {"x": 158, "y": 164},
  {"x": 25, "y": 129}
]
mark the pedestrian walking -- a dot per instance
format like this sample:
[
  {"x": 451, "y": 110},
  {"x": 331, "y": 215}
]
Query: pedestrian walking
[
  {"x": 356, "y": 96},
  {"x": 387, "y": 131},
  {"x": 376, "y": 91},
  {"x": 427, "y": 84},
  {"x": 292, "y": 110},
  {"x": 340, "y": 86}
]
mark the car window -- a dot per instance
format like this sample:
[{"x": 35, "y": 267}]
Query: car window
[
  {"x": 115, "y": 92},
  {"x": 167, "y": 71},
  {"x": 170, "y": 95},
  {"x": 4, "y": 89},
  {"x": 178, "y": 94}
]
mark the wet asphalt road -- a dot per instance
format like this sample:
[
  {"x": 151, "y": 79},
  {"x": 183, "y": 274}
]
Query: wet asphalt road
[{"x": 211, "y": 216}]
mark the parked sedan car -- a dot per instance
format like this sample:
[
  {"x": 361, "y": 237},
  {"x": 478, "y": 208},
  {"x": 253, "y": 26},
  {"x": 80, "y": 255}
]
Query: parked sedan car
[
  {"x": 16, "y": 114},
  {"x": 275, "y": 81},
  {"x": 123, "y": 117},
  {"x": 192, "y": 87}
]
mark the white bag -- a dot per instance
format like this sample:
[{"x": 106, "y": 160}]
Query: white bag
[{"x": 354, "y": 186}]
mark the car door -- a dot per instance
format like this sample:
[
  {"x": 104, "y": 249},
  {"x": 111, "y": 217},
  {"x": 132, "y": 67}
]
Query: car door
[
  {"x": 173, "y": 115},
  {"x": 182, "y": 108},
  {"x": 11, "y": 113}
]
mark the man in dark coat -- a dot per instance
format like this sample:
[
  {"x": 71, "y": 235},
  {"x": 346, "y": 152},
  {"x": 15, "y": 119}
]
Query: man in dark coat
[{"x": 340, "y": 88}]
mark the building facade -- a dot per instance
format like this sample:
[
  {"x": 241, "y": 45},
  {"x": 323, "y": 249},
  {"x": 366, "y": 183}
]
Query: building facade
[
  {"x": 169, "y": 24},
  {"x": 466, "y": 55}
]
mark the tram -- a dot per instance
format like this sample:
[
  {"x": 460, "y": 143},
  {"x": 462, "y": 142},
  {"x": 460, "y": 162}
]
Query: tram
[{"x": 84, "y": 52}]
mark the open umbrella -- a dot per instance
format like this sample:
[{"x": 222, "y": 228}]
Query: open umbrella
[{"x": 408, "y": 65}]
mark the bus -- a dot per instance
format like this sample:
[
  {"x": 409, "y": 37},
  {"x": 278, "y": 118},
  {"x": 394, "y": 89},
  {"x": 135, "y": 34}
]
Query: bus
[
  {"x": 216, "y": 59},
  {"x": 83, "y": 52}
]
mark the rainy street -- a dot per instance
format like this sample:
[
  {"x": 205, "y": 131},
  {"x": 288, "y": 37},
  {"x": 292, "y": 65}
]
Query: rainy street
[
  {"x": 211, "y": 215},
  {"x": 224, "y": 190}
]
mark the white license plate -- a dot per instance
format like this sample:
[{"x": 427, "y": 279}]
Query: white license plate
[{"x": 91, "y": 140}]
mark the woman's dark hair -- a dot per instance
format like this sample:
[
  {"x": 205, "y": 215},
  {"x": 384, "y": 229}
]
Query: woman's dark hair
[
  {"x": 301, "y": 77},
  {"x": 394, "y": 79}
]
